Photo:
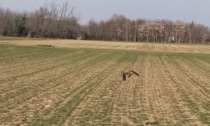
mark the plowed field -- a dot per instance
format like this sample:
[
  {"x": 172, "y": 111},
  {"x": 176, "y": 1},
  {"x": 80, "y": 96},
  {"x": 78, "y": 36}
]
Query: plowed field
[{"x": 43, "y": 85}]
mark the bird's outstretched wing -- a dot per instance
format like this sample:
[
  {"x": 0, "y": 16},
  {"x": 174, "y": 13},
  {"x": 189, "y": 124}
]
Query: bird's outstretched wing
[{"x": 135, "y": 72}]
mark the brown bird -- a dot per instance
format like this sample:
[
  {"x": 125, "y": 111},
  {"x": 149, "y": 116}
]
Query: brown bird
[{"x": 128, "y": 74}]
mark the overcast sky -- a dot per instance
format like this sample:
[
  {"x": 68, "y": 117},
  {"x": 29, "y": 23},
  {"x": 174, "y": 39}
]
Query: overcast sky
[{"x": 185, "y": 10}]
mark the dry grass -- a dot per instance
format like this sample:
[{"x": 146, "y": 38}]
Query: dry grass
[
  {"x": 45, "y": 85},
  {"x": 154, "y": 47}
]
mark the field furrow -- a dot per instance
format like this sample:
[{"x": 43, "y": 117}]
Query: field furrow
[
  {"x": 43, "y": 85},
  {"x": 76, "y": 96},
  {"x": 43, "y": 70},
  {"x": 192, "y": 97}
]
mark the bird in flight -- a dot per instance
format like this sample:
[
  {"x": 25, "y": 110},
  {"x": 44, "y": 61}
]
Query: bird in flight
[{"x": 128, "y": 74}]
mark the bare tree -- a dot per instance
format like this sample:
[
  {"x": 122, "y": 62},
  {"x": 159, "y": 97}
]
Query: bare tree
[
  {"x": 61, "y": 21},
  {"x": 179, "y": 31},
  {"x": 54, "y": 20},
  {"x": 145, "y": 31}
]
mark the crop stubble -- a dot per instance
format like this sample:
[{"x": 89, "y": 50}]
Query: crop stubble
[{"x": 61, "y": 86}]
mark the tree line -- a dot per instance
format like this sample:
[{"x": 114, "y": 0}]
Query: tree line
[
  {"x": 119, "y": 28},
  {"x": 50, "y": 21},
  {"x": 61, "y": 21}
]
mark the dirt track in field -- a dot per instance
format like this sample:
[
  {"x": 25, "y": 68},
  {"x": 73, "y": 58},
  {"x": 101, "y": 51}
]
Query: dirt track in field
[{"x": 67, "y": 86}]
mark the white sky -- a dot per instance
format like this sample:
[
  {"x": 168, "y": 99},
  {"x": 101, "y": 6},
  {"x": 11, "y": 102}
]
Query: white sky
[{"x": 185, "y": 10}]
